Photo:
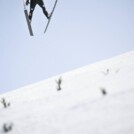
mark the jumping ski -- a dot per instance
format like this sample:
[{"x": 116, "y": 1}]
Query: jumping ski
[
  {"x": 50, "y": 16},
  {"x": 27, "y": 19}
]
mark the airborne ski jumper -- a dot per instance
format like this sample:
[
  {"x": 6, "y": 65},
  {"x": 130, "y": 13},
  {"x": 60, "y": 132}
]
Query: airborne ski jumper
[
  {"x": 29, "y": 16},
  {"x": 32, "y": 7}
]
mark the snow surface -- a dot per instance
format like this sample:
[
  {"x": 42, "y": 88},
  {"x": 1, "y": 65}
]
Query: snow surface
[{"x": 79, "y": 107}]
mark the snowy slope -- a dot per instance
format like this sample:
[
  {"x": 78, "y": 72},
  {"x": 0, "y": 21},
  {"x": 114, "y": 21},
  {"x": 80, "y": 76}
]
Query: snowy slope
[{"x": 79, "y": 107}]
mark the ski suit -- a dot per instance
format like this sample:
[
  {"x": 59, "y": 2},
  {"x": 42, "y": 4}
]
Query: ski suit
[{"x": 32, "y": 7}]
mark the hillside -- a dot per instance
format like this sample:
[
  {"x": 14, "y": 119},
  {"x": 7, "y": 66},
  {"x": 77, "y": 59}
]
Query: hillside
[{"x": 96, "y": 99}]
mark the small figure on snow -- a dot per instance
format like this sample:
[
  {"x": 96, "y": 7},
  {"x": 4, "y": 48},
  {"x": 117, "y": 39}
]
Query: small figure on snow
[
  {"x": 32, "y": 7},
  {"x": 103, "y": 91}
]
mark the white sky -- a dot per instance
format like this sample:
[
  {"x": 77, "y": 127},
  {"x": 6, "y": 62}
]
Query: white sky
[{"x": 80, "y": 33}]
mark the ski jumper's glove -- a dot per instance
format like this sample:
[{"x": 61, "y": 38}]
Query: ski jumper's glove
[{"x": 27, "y": 2}]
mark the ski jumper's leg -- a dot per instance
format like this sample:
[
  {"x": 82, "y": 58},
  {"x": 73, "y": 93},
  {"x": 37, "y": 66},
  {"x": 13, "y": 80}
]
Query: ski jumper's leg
[
  {"x": 42, "y": 5},
  {"x": 32, "y": 7}
]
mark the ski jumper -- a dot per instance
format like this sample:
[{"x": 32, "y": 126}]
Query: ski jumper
[{"x": 32, "y": 7}]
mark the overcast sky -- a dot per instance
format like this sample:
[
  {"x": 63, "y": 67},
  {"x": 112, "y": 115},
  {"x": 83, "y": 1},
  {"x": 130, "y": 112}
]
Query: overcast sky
[{"x": 81, "y": 33}]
